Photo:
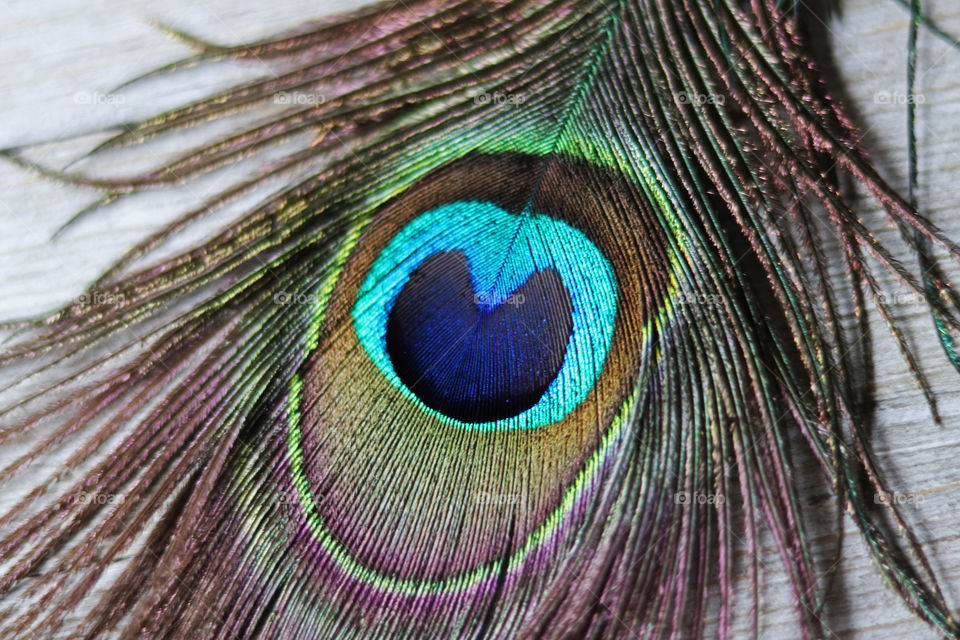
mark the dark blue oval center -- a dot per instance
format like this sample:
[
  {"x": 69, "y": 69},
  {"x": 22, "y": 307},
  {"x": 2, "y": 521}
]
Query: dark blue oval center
[{"x": 477, "y": 356}]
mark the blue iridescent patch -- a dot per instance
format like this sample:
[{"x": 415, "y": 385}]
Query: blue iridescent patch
[{"x": 487, "y": 319}]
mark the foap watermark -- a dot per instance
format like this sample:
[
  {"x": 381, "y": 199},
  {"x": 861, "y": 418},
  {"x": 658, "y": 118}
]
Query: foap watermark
[
  {"x": 697, "y": 298},
  {"x": 499, "y": 98},
  {"x": 496, "y": 499},
  {"x": 305, "y": 99},
  {"x": 285, "y": 298},
  {"x": 902, "y": 299},
  {"x": 98, "y": 498},
  {"x": 699, "y": 99},
  {"x": 96, "y": 97},
  {"x": 898, "y": 97},
  {"x": 493, "y": 299},
  {"x": 698, "y": 497},
  {"x": 100, "y": 298},
  {"x": 896, "y": 498}
]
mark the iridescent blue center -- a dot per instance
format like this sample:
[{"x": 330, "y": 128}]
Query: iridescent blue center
[
  {"x": 488, "y": 319},
  {"x": 470, "y": 355}
]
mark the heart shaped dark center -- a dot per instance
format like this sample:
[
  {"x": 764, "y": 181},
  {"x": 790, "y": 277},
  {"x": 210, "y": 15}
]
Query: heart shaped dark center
[{"x": 477, "y": 356}]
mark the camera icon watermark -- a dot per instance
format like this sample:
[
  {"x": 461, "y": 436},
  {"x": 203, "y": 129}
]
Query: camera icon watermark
[
  {"x": 299, "y": 98},
  {"x": 98, "y": 498},
  {"x": 96, "y": 97},
  {"x": 698, "y": 497},
  {"x": 697, "y": 298},
  {"x": 287, "y": 298},
  {"x": 101, "y": 298},
  {"x": 903, "y": 299},
  {"x": 499, "y": 98},
  {"x": 898, "y": 98},
  {"x": 699, "y": 99},
  {"x": 493, "y": 299},
  {"x": 895, "y": 498}
]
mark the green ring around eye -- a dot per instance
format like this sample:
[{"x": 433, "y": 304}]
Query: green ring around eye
[
  {"x": 343, "y": 410},
  {"x": 502, "y": 250}
]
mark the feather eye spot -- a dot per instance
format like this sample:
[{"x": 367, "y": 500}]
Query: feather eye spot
[
  {"x": 489, "y": 317},
  {"x": 549, "y": 249}
]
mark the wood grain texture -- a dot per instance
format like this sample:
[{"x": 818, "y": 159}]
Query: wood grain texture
[{"x": 60, "y": 60}]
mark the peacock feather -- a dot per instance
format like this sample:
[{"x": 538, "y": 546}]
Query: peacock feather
[{"x": 527, "y": 345}]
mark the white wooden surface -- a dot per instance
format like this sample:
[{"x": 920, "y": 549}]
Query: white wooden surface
[{"x": 60, "y": 58}]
